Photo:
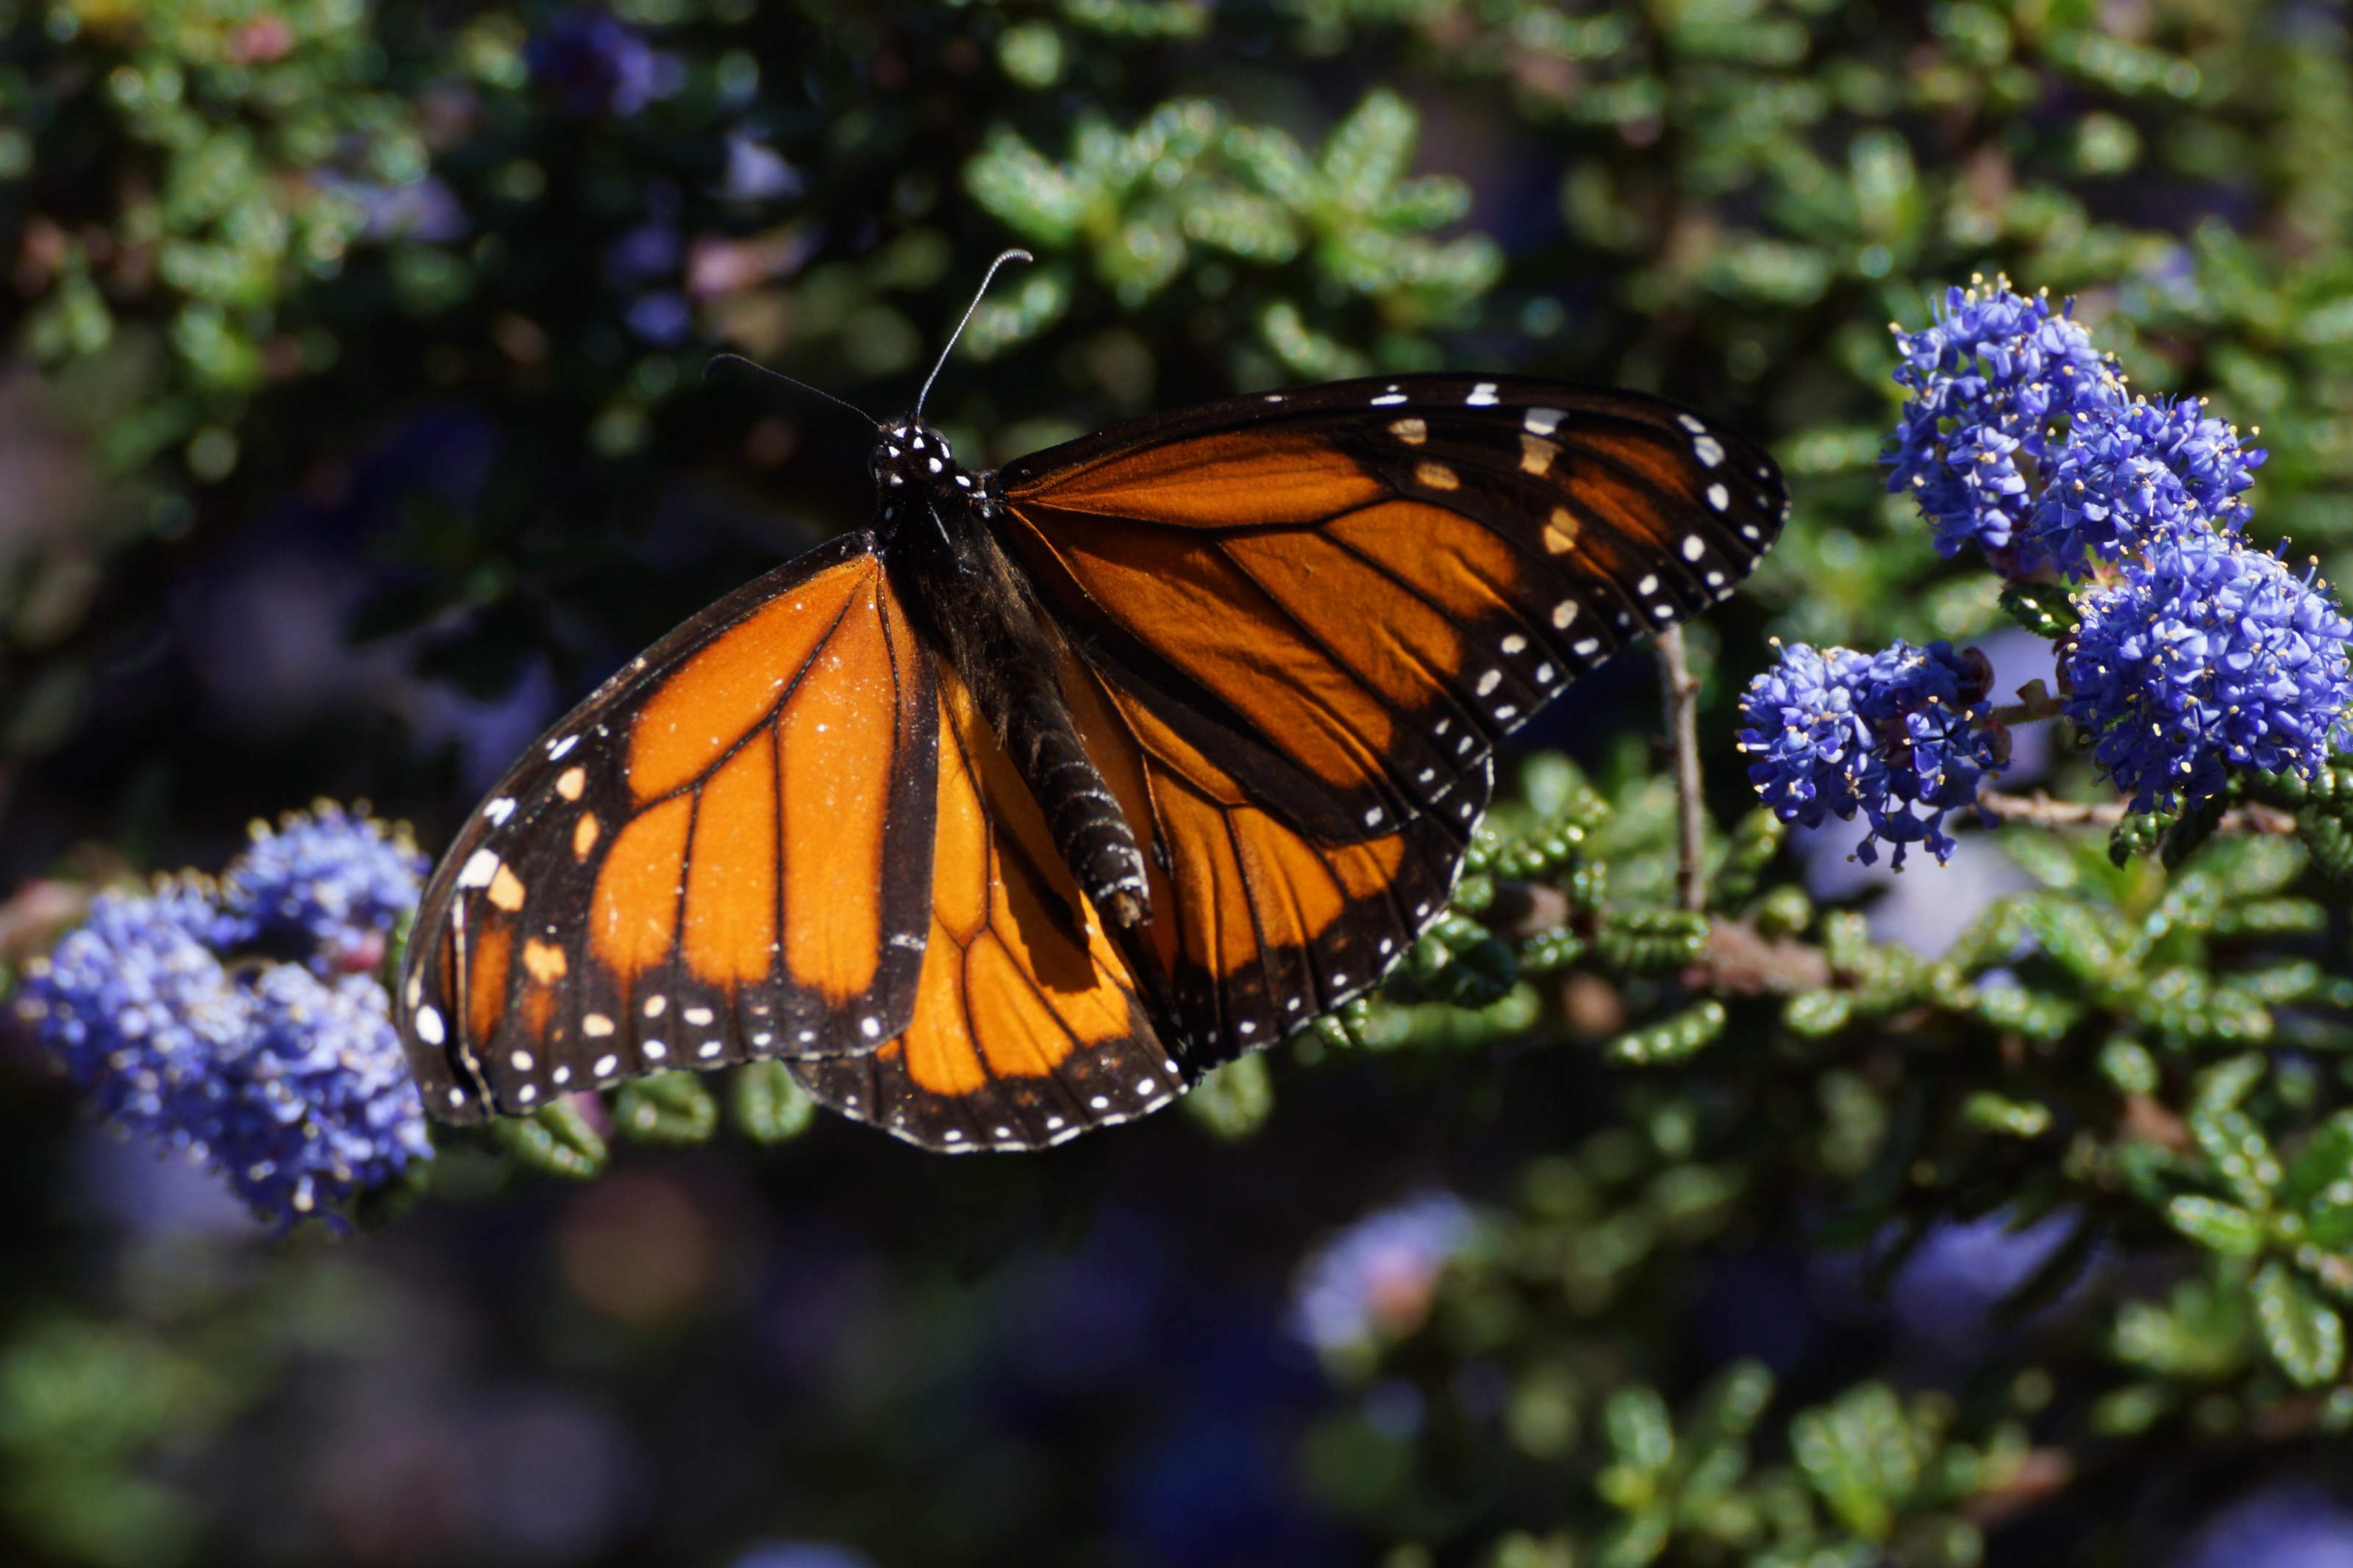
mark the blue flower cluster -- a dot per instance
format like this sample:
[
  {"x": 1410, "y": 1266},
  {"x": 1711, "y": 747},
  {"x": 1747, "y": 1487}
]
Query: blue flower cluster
[
  {"x": 593, "y": 64},
  {"x": 2193, "y": 654},
  {"x": 1902, "y": 736},
  {"x": 335, "y": 881},
  {"x": 286, "y": 1078},
  {"x": 1989, "y": 377},
  {"x": 2132, "y": 475},
  {"x": 1376, "y": 1279},
  {"x": 2208, "y": 654}
]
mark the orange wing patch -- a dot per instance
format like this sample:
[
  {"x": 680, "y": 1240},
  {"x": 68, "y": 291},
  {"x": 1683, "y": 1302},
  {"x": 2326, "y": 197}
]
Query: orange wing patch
[
  {"x": 1217, "y": 481},
  {"x": 1027, "y": 1027},
  {"x": 1256, "y": 927},
  {"x": 722, "y": 855}
]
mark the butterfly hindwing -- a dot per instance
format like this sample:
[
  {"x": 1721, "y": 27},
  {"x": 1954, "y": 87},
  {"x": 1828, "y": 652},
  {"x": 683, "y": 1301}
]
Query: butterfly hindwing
[
  {"x": 1027, "y": 1027},
  {"x": 1259, "y": 927},
  {"x": 723, "y": 854}
]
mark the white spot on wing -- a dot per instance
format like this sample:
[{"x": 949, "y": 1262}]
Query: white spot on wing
[
  {"x": 1695, "y": 426},
  {"x": 1515, "y": 643},
  {"x": 1718, "y": 497},
  {"x": 1564, "y": 613},
  {"x": 1707, "y": 449},
  {"x": 1693, "y": 548},
  {"x": 557, "y": 749},
  {"x": 1482, "y": 395},
  {"x": 1542, "y": 421},
  {"x": 1489, "y": 681},
  {"x": 479, "y": 867},
  {"x": 428, "y": 1026},
  {"x": 499, "y": 810}
]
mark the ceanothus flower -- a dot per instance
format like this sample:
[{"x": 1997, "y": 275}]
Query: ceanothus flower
[
  {"x": 1376, "y": 1278},
  {"x": 286, "y": 1077},
  {"x": 1989, "y": 377},
  {"x": 1902, "y": 736},
  {"x": 2130, "y": 473},
  {"x": 594, "y": 64},
  {"x": 2208, "y": 656},
  {"x": 336, "y": 882}
]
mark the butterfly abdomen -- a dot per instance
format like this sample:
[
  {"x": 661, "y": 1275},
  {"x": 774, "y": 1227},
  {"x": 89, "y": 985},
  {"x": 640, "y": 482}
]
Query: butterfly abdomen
[{"x": 974, "y": 604}]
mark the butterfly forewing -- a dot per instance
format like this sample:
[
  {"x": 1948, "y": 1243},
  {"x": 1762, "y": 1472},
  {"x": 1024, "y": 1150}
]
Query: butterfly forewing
[
  {"x": 1378, "y": 580},
  {"x": 723, "y": 854}
]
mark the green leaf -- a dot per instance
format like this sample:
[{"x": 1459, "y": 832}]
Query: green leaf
[
  {"x": 2304, "y": 1334},
  {"x": 1642, "y": 1435},
  {"x": 1858, "y": 1453},
  {"x": 668, "y": 1108},
  {"x": 1234, "y": 1101},
  {"x": 769, "y": 1103},
  {"x": 1670, "y": 1039},
  {"x": 556, "y": 1140},
  {"x": 2223, "y": 1227},
  {"x": 2043, "y": 608}
]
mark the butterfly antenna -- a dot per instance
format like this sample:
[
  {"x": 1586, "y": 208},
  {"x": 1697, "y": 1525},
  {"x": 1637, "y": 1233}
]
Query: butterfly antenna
[
  {"x": 978, "y": 295},
  {"x": 717, "y": 360}
]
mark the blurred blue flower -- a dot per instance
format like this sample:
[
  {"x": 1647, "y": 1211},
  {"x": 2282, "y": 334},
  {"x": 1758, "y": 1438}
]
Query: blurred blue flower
[
  {"x": 1989, "y": 377},
  {"x": 2296, "y": 1525},
  {"x": 289, "y": 1083},
  {"x": 1902, "y": 736},
  {"x": 593, "y": 64},
  {"x": 756, "y": 172},
  {"x": 1376, "y": 1279},
  {"x": 660, "y": 318},
  {"x": 2208, "y": 654},
  {"x": 427, "y": 211},
  {"x": 1947, "y": 1290},
  {"x": 2131, "y": 473},
  {"x": 339, "y": 881},
  {"x": 801, "y": 1554}
]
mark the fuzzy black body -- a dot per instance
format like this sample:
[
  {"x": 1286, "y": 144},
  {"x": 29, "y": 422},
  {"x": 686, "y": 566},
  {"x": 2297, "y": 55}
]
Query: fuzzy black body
[{"x": 974, "y": 605}]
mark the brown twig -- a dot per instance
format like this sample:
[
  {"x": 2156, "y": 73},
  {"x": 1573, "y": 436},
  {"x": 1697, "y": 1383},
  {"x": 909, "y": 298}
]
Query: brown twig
[
  {"x": 1680, "y": 694},
  {"x": 2039, "y": 810}
]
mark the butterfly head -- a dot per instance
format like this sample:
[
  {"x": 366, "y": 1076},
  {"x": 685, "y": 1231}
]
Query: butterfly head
[{"x": 911, "y": 461}]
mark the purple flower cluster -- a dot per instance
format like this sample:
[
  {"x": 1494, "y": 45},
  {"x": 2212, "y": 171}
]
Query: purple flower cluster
[
  {"x": 1902, "y": 736},
  {"x": 2193, "y": 654},
  {"x": 2131, "y": 475},
  {"x": 286, "y": 1078},
  {"x": 2207, "y": 654},
  {"x": 593, "y": 64},
  {"x": 1989, "y": 377},
  {"x": 334, "y": 881},
  {"x": 1376, "y": 1279}
]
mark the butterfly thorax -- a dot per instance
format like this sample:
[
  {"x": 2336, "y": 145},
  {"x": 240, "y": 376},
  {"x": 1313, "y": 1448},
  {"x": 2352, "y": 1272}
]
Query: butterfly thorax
[{"x": 972, "y": 602}]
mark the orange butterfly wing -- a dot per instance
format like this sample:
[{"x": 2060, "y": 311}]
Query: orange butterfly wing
[
  {"x": 1311, "y": 615},
  {"x": 1027, "y": 1027},
  {"x": 723, "y": 854}
]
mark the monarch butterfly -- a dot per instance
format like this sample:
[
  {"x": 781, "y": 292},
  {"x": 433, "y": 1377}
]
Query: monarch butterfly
[{"x": 1011, "y": 816}]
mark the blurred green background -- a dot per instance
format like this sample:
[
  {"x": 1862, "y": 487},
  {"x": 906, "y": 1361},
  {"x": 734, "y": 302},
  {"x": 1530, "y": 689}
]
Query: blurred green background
[{"x": 355, "y": 422}]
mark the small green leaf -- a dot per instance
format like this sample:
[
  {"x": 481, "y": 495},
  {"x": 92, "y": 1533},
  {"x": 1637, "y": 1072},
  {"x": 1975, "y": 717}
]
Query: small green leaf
[
  {"x": 2304, "y": 1334},
  {"x": 1234, "y": 1101},
  {"x": 2224, "y": 1227},
  {"x": 556, "y": 1140},
  {"x": 769, "y": 1103},
  {"x": 1818, "y": 1014},
  {"x": 2043, "y": 609},
  {"x": 668, "y": 1108},
  {"x": 1858, "y": 1453},
  {"x": 1670, "y": 1039},
  {"x": 1642, "y": 1435},
  {"x": 1992, "y": 1113}
]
